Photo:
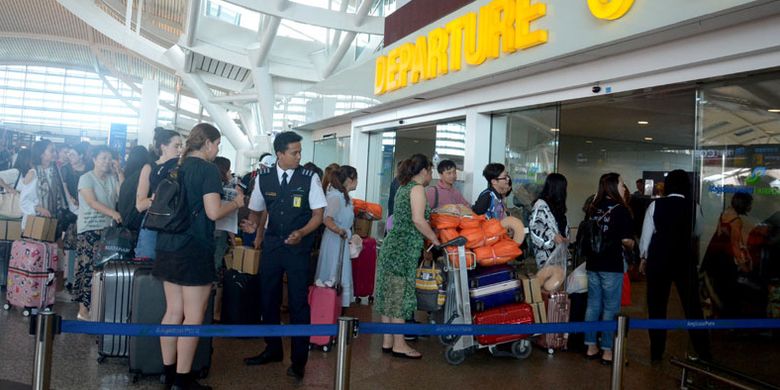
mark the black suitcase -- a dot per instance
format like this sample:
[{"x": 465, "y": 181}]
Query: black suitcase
[
  {"x": 148, "y": 307},
  {"x": 579, "y": 302},
  {"x": 240, "y": 298},
  {"x": 5, "y": 258}
]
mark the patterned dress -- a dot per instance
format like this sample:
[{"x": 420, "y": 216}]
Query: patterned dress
[{"x": 397, "y": 261}]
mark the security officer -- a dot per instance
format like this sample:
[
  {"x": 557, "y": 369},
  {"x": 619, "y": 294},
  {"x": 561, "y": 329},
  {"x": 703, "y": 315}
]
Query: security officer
[{"x": 291, "y": 200}]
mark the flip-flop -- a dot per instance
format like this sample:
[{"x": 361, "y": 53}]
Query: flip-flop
[
  {"x": 405, "y": 355},
  {"x": 82, "y": 318}
]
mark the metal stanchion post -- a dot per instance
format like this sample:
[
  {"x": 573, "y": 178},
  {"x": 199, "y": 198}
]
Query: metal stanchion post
[
  {"x": 619, "y": 353},
  {"x": 46, "y": 326},
  {"x": 347, "y": 331}
]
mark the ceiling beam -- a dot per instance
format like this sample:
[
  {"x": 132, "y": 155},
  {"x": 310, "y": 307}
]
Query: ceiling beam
[
  {"x": 96, "y": 65},
  {"x": 259, "y": 56},
  {"x": 315, "y": 16},
  {"x": 193, "y": 14}
]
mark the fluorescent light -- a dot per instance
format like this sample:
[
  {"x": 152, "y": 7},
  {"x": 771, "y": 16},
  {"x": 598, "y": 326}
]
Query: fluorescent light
[
  {"x": 555, "y": 130},
  {"x": 776, "y": 110},
  {"x": 648, "y": 138},
  {"x": 642, "y": 122},
  {"x": 588, "y": 142}
]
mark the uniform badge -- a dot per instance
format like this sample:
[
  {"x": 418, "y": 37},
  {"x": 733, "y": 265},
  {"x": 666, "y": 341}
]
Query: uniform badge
[{"x": 297, "y": 201}]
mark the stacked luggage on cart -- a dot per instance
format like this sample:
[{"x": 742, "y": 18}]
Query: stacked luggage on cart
[{"x": 481, "y": 288}]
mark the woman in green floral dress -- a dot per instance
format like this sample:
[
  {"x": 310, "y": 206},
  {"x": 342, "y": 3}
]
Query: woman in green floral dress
[{"x": 397, "y": 262}]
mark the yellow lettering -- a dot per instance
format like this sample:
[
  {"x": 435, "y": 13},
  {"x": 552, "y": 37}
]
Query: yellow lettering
[
  {"x": 379, "y": 75},
  {"x": 420, "y": 60},
  {"x": 407, "y": 50},
  {"x": 437, "y": 52},
  {"x": 525, "y": 14},
  {"x": 455, "y": 29},
  {"x": 474, "y": 54},
  {"x": 506, "y": 26},
  {"x": 392, "y": 69},
  {"x": 609, "y": 9}
]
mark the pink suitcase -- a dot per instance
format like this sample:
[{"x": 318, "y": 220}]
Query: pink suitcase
[
  {"x": 325, "y": 306},
  {"x": 364, "y": 270},
  {"x": 31, "y": 275},
  {"x": 558, "y": 306}
]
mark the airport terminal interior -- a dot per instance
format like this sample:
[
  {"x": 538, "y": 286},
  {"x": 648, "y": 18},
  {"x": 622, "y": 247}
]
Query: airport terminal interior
[{"x": 637, "y": 87}]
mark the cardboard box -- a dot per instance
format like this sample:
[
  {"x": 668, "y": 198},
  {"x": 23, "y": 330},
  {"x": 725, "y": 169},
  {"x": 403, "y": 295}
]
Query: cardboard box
[
  {"x": 10, "y": 230},
  {"x": 532, "y": 289},
  {"x": 362, "y": 227},
  {"x": 540, "y": 312},
  {"x": 246, "y": 260},
  {"x": 41, "y": 229}
]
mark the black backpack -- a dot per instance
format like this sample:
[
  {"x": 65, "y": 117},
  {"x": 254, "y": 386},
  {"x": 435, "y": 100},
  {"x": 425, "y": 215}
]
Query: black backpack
[
  {"x": 169, "y": 212},
  {"x": 591, "y": 238}
]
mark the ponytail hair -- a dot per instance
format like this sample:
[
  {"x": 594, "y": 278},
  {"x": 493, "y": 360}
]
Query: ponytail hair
[
  {"x": 162, "y": 137},
  {"x": 199, "y": 134},
  {"x": 339, "y": 175},
  {"x": 412, "y": 166},
  {"x": 326, "y": 176}
]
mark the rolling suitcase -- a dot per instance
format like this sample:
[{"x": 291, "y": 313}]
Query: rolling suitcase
[
  {"x": 5, "y": 258},
  {"x": 558, "y": 306},
  {"x": 516, "y": 313},
  {"x": 241, "y": 302},
  {"x": 148, "y": 307},
  {"x": 484, "y": 276},
  {"x": 579, "y": 302},
  {"x": 494, "y": 295},
  {"x": 112, "y": 289},
  {"x": 31, "y": 273},
  {"x": 325, "y": 305},
  {"x": 364, "y": 271}
]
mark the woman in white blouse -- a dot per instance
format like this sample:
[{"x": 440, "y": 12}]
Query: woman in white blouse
[{"x": 549, "y": 227}]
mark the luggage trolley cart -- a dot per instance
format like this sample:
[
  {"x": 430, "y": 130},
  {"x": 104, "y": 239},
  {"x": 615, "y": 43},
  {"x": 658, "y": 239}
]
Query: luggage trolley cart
[{"x": 457, "y": 310}]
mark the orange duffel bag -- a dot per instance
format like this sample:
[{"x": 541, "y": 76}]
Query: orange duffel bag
[
  {"x": 475, "y": 238},
  {"x": 501, "y": 252},
  {"x": 371, "y": 210},
  {"x": 441, "y": 221},
  {"x": 447, "y": 235},
  {"x": 493, "y": 231},
  {"x": 471, "y": 221}
]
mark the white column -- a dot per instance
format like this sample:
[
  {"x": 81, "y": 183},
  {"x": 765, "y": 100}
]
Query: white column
[
  {"x": 150, "y": 96},
  {"x": 477, "y": 154},
  {"x": 359, "y": 156}
]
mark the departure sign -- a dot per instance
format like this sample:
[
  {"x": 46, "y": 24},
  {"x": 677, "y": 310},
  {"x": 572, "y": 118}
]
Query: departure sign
[
  {"x": 502, "y": 26},
  {"x": 609, "y": 9}
]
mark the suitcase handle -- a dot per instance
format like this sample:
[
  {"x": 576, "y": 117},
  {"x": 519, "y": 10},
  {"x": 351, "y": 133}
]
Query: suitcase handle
[{"x": 458, "y": 241}]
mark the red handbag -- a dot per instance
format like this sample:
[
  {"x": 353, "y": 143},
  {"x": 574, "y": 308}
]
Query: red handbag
[{"x": 625, "y": 294}]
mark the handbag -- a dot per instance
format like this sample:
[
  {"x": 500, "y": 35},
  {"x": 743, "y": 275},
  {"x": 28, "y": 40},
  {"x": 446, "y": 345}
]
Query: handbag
[
  {"x": 10, "y": 203},
  {"x": 429, "y": 285},
  {"x": 116, "y": 243},
  {"x": 625, "y": 292}
]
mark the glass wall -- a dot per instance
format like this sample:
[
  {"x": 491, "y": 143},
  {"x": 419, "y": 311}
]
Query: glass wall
[
  {"x": 332, "y": 150},
  {"x": 438, "y": 141}
]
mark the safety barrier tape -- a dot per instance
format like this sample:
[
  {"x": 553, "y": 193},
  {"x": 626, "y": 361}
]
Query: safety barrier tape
[{"x": 156, "y": 330}]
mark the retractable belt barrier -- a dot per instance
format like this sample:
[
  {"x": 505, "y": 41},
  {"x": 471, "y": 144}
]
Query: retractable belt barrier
[
  {"x": 47, "y": 324},
  {"x": 156, "y": 330}
]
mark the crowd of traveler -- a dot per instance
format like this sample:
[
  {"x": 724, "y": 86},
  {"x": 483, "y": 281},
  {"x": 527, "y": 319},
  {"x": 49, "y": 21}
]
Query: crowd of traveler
[{"x": 282, "y": 204}]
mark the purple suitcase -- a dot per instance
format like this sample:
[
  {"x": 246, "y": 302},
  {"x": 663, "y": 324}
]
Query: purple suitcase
[
  {"x": 494, "y": 295},
  {"x": 484, "y": 276}
]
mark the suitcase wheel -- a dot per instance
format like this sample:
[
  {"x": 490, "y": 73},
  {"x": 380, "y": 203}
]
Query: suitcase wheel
[
  {"x": 521, "y": 349},
  {"x": 326, "y": 348},
  {"x": 550, "y": 351},
  {"x": 6, "y": 307},
  {"x": 370, "y": 299},
  {"x": 454, "y": 357},
  {"x": 357, "y": 299},
  {"x": 26, "y": 312},
  {"x": 448, "y": 339}
]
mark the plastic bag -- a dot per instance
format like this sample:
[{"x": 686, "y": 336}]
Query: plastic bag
[
  {"x": 577, "y": 282},
  {"x": 553, "y": 275},
  {"x": 355, "y": 246},
  {"x": 116, "y": 243}
]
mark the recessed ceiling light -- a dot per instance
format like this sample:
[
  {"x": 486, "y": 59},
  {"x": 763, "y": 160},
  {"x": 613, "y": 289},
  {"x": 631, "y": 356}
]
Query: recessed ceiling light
[
  {"x": 774, "y": 110},
  {"x": 648, "y": 138},
  {"x": 643, "y": 122},
  {"x": 555, "y": 130},
  {"x": 588, "y": 141}
]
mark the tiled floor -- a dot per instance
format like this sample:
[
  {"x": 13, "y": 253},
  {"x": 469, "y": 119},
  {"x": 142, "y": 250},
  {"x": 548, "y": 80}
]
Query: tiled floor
[{"x": 75, "y": 365}]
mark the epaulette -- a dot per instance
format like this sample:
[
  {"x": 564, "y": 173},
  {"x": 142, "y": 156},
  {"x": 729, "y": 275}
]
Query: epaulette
[
  {"x": 307, "y": 172},
  {"x": 263, "y": 171}
]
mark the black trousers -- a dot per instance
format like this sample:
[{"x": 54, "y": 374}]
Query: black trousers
[
  {"x": 660, "y": 277},
  {"x": 277, "y": 260}
]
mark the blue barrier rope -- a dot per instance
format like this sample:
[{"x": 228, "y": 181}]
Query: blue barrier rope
[{"x": 156, "y": 330}]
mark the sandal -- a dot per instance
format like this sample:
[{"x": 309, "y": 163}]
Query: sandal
[
  {"x": 406, "y": 355},
  {"x": 387, "y": 349},
  {"x": 82, "y": 318}
]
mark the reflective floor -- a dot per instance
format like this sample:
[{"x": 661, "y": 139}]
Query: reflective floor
[{"x": 75, "y": 365}]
